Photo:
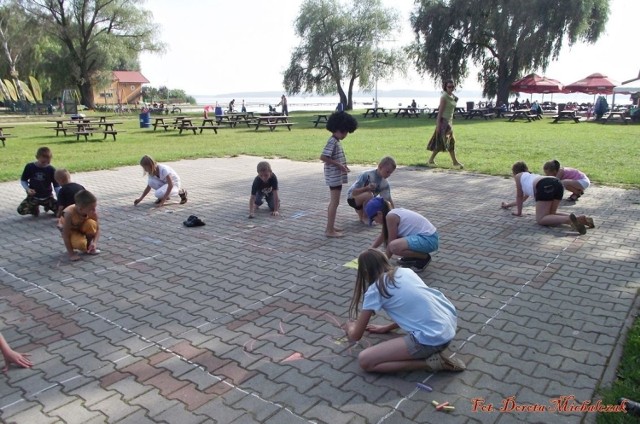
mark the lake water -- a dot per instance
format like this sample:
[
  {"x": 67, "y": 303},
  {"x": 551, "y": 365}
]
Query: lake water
[{"x": 329, "y": 103}]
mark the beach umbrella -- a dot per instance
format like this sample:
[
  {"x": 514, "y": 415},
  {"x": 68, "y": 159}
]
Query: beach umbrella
[
  {"x": 534, "y": 83},
  {"x": 593, "y": 84}
]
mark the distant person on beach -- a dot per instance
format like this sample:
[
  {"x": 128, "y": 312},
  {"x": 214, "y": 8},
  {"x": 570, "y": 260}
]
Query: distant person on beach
[
  {"x": 404, "y": 233},
  {"x": 572, "y": 179},
  {"x": 232, "y": 105},
  {"x": 80, "y": 229},
  {"x": 442, "y": 139},
  {"x": 339, "y": 124},
  {"x": 13, "y": 357},
  {"x": 38, "y": 180},
  {"x": 370, "y": 184},
  {"x": 283, "y": 103},
  {"x": 68, "y": 190},
  {"x": 427, "y": 317},
  {"x": 243, "y": 109},
  {"x": 414, "y": 105},
  {"x": 547, "y": 191},
  {"x": 264, "y": 187},
  {"x": 163, "y": 179}
]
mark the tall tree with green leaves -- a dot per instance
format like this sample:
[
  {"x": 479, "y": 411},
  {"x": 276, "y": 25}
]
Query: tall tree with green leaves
[
  {"x": 504, "y": 38},
  {"x": 97, "y": 35},
  {"x": 340, "y": 46}
]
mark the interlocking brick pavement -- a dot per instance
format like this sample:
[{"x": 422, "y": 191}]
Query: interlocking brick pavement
[{"x": 238, "y": 321}]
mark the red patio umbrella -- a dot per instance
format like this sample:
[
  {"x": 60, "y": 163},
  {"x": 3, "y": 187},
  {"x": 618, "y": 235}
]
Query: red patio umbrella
[
  {"x": 593, "y": 84},
  {"x": 534, "y": 83}
]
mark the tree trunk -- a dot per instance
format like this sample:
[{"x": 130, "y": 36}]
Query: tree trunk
[{"x": 86, "y": 94}]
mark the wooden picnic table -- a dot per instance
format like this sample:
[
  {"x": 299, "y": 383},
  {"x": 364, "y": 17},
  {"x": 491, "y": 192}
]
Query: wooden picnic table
[
  {"x": 59, "y": 127},
  {"x": 481, "y": 113},
  {"x": 616, "y": 116},
  {"x": 409, "y": 112},
  {"x": 273, "y": 121},
  {"x": 209, "y": 124},
  {"x": 3, "y": 135},
  {"x": 160, "y": 123},
  {"x": 185, "y": 124},
  {"x": 375, "y": 112},
  {"x": 522, "y": 114},
  {"x": 83, "y": 127},
  {"x": 320, "y": 119},
  {"x": 566, "y": 115},
  {"x": 109, "y": 129}
]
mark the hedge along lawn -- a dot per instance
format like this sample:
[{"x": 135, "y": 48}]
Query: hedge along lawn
[{"x": 607, "y": 153}]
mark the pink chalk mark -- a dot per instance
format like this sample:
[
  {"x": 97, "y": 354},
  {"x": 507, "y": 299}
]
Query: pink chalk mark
[{"x": 294, "y": 357}]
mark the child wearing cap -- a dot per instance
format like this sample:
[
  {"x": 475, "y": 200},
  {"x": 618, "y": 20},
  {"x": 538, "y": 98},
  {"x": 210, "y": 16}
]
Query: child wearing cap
[
  {"x": 370, "y": 184},
  {"x": 404, "y": 232}
]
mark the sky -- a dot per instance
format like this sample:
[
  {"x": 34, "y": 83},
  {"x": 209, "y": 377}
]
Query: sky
[{"x": 221, "y": 46}]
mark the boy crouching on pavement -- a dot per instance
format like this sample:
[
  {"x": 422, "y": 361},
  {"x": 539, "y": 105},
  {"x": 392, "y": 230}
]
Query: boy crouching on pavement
[
  {"x": 80, "y": 230},
  {"x": 264, "y": 187},
  {"x": 370, "y": 184}
]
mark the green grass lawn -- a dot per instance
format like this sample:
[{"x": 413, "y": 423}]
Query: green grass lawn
[
  {"x": 628, "y": 382},
  {"x": 605, "y": 152}
]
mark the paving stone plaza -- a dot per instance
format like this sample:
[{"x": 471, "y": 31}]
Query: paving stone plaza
[{"x": 238, "y": 321}]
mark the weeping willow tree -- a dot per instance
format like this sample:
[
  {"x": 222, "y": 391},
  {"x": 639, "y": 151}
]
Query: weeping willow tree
[
  {"x": 504, "y": 38},
  {"x": 341, "y": 46}
]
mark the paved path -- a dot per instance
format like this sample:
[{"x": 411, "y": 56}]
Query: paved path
[{"x": 237, "y": 321}]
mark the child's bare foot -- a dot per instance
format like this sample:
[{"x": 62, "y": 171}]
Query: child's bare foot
[
  {"x": 334, "y": 234},
  {"x": 338, "y": 230},
  {"x": 74, "y": 257}
]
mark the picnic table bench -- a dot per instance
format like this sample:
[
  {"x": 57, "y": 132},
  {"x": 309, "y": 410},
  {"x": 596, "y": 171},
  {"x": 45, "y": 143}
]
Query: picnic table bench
[
  {"x": 4, "y": 136},
  {"x": 111, "y": 132},
  {"x": 614, "y": 116},
  {"x": 273, "y": 121},
  {"x": 321, "y": 119},
  {"x": 375, "y": 112},
  {"x": 160, "y": 123},
  {"x": 186, "y": 124},
  {"x": 481, "y": 113},
  {"x": 58, "y": 130},
  {"x": 409, "y": 112},
  {"x": 209, "y": 124},
  {"x": 522, "y": 114},
  {"x": 566, "y": 115}
]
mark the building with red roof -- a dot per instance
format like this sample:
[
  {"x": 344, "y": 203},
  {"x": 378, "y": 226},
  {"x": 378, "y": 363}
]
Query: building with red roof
[{"x": 125, "y": 88}]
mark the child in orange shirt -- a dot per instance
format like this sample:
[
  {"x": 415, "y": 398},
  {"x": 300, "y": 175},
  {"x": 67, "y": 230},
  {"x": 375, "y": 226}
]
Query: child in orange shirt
[{"x": 80, "y": 230}]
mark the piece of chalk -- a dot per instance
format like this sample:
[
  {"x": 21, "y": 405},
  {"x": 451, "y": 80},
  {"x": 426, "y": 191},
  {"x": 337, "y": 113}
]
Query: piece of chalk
[
  {"x": 434, "y": 402},
  {"x": 424, "y": 387},
  {"x": 442, "y": 405},
  {"x": 448, "y": 408}
]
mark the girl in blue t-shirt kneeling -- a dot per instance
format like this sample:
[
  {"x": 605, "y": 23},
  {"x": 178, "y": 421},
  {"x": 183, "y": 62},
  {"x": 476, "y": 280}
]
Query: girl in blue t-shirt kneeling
[{"x": 426, "y": 315}]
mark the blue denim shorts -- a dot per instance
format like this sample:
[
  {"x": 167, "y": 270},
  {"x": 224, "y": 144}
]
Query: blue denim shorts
[
  {"x": 423, "y": 243},
  {"x": 420, "y": 351}
]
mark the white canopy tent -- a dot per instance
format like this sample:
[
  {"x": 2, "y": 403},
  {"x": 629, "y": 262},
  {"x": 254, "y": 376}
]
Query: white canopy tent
[{"x": 631, "y": 86}]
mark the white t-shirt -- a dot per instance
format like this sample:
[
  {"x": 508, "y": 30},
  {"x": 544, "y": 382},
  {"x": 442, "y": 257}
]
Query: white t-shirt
[
  {"x": 164, "y": 171},
  {"x": 412, "y": 223}
]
